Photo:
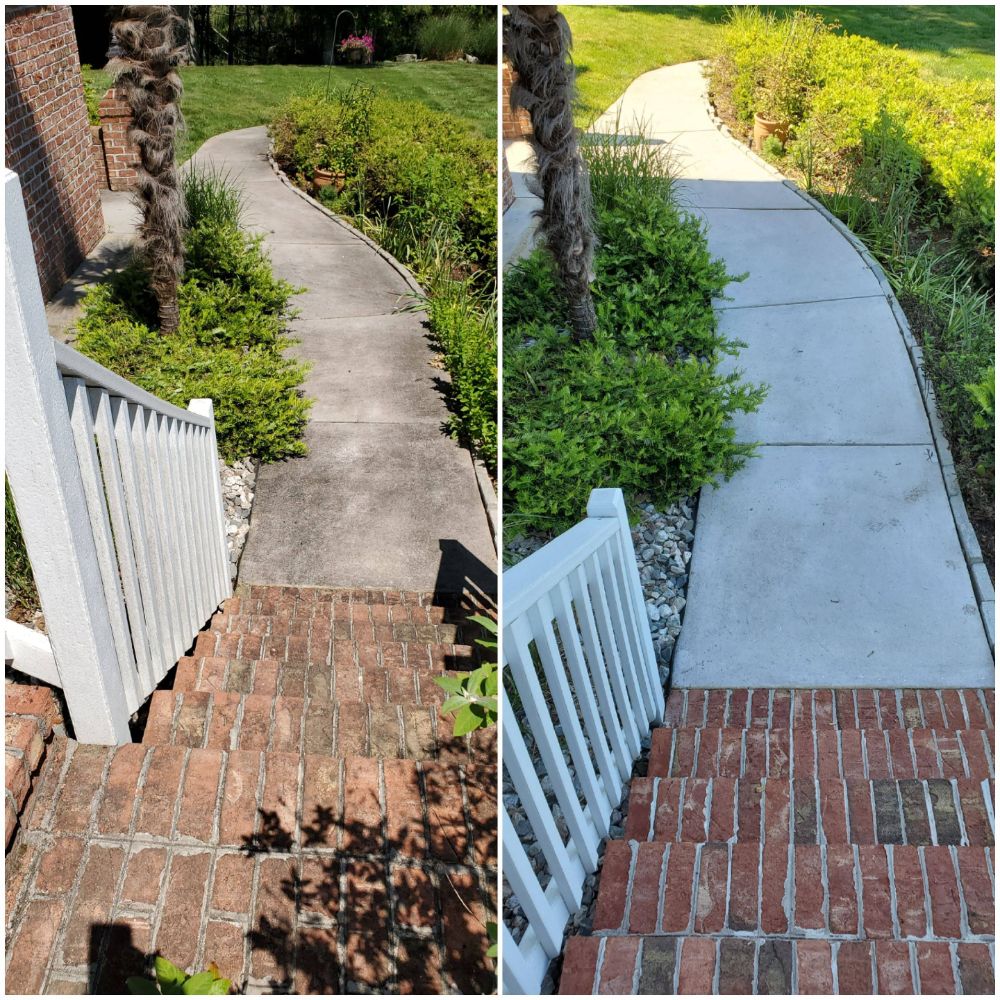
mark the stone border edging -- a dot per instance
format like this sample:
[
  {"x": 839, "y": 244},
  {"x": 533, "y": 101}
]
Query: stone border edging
[
  {"x": 979, "y": 574},
  {"x": 487, "y": 494}
]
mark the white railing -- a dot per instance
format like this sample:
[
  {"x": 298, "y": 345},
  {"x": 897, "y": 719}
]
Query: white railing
[
  {"x": 120, "y": 505},
  {"x": 574, "y": 620}
]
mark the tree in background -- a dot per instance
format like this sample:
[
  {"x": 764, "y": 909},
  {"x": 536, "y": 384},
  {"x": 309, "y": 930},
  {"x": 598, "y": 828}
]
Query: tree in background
[
  {"x": 144, "y": 67},
  {"x": 537, "y": 43}
]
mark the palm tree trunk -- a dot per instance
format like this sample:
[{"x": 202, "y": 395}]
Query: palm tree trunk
[
  {"x": 537, "y": 42},
  {"x": 145, "y": 70}
]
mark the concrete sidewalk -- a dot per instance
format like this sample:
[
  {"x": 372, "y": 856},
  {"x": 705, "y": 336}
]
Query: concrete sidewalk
[
  {"x": 384, "y": 498},
  {"x": 833, "y": 558}
]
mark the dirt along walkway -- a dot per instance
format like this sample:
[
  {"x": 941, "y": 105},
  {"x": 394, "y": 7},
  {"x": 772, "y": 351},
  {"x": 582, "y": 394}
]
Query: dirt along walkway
[{"x": 385, "y": 498}]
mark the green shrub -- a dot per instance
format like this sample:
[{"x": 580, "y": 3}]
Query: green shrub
[
  {"x": 92, "y": 95},
  {"x": 424, "y": 168},
  {"x": 423, "y": 186},
  {"x": 18, "y": 578},
  {"x": 211, "y": 197},
  {"x": 231, "y": 342},
  {"x": 643, "y": 406},
  {"x": 449, "y": 36},
  {"x": 841, "y": 86}
]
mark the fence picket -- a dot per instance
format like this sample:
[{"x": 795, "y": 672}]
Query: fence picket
[
  {"x": 596, "y": 802},
  {"x": 599, "y": 672},
  {"x": 142, "y": 621},
  {"x": 566, "y": 869},
  {"x": 82, "y": 423}
]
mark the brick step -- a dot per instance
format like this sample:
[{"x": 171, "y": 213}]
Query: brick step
[
  {"x": 707, "y": 752},
  {"x": 700, "y": 964},
  {"x": 224, "y": 720},
  {"x": 322, "y": 629},
  {"x": 808, "y": 811},
  {"x": 270, "y": 800},
  {"x": 844, "y": 708},
  {"x": 843, "y": 890},
  {"x": 237, "y": 615},
  {"x": 322, "y": 648},
  {"x": 395, "y": 676},
  {"x": 269, "y": 599}
]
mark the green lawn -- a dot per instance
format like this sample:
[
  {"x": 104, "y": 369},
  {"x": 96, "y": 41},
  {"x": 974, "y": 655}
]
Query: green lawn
[
  {"x": 614, "y": 45},
  {"x": 220, "y": 98}
]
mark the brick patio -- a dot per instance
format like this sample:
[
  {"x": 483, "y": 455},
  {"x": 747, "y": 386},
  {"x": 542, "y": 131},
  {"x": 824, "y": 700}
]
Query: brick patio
[
  {"x": 297, "y": 813},
  {"x": 802, "y": 842}
]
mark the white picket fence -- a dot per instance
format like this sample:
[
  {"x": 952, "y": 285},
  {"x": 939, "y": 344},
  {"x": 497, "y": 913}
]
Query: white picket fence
[
  {"x": 573, "y": 618},
  {"x": 120, "y": 505}
]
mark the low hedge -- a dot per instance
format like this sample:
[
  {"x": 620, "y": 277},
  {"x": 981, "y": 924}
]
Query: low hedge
[
  {"x": 643, "y": 406},
  {"x": 423, "y": 185},
  {"x": 230, "y": 345},
  {"x": 834, "y": 88},
  {"x": 401, "y": 160}
]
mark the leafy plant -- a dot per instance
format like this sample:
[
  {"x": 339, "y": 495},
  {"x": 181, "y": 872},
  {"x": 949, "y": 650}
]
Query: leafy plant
[
  {"x": 230, "y": 345},
  {"x": 473, "y": 693},
  {"x": 18, "y": 578},
  {"x": 644, "y": 406},
  {"x": 171, "y": 980},
  {"x": 450, "y": 36}
]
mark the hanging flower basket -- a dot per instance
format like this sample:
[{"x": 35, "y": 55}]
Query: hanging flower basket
[{"x": 357, "y": 50}]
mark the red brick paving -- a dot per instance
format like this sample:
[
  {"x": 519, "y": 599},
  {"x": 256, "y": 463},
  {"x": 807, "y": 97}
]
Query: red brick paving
[
  {"x": 831, "y": 841},
  {"x": 302, "y": 842}
]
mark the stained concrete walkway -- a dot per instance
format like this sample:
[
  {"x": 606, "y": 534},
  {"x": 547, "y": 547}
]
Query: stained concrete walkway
[
  {"x": 385, "y": 498},
  {"x": 833, "y": 558}
]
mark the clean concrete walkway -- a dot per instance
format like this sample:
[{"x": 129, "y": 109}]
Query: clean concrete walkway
[
  {"x": 385, "y": 498},
  {"x": 833, "y": 558}
]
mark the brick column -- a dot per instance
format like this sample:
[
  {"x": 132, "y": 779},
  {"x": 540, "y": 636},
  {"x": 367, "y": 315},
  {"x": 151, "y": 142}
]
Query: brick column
[
  {"x": 516, "y": 124},
  {"x": 120, "y": 155}
]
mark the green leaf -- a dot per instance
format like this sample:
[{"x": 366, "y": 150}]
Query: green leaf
[
  {"x": 451, "y": 684},
  {"x": 167, "y": 974},
  {"x": 454, "y": 704},
  {"x": 136, "y": 984},
  {"x": 199, "y": 985},
  {"x": 467, "y": 720}
]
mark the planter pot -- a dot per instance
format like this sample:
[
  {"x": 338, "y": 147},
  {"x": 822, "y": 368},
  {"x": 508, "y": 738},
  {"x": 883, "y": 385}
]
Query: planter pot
[
  {"x": 764, "y": 127},
  {"x": 329, "y": 178},
  {"x": 357, "y": 57}
]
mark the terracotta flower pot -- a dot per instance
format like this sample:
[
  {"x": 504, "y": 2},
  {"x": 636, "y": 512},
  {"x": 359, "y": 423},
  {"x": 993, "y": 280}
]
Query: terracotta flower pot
[
  {"x": 322, "y": 178},
  {"x": 764, "y": 127}
]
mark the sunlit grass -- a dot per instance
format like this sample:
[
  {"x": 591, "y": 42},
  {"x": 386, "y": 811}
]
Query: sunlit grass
[
  {"x": 221, "y": 98},
  {"x": 614, "y": 45}
]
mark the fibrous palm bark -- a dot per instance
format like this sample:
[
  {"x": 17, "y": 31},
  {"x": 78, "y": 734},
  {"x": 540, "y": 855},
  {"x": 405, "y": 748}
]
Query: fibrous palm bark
[
  {"x": 145, "y": 69},
  {"x": 537, "y": 42}
]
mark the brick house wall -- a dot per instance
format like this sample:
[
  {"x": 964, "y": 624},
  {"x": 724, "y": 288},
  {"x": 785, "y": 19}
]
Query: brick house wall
[
  {"x": 48, "y": 141},
  {"x": 516, "y": 124}
]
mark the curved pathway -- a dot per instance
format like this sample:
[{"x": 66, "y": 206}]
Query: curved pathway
[
  {"x": 833, "y": 558},
  {"x": 384, "y": 498}
]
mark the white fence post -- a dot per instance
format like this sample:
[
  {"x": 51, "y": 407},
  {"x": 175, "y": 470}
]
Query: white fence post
[{"x": 42, "y": 466}]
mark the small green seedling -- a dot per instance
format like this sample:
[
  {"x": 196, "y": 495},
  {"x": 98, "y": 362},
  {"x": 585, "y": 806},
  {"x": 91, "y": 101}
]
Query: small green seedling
[{"x": 170, "y": 979}]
